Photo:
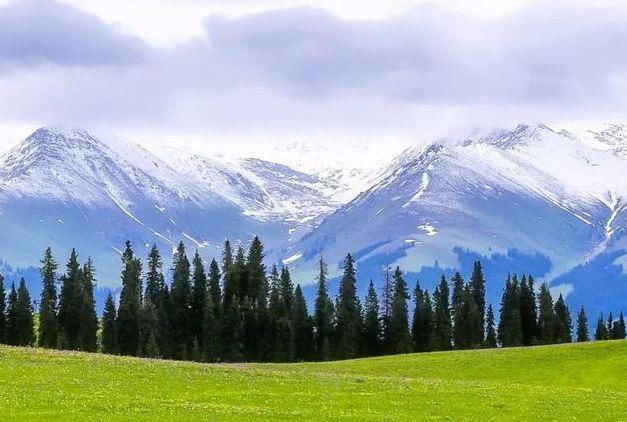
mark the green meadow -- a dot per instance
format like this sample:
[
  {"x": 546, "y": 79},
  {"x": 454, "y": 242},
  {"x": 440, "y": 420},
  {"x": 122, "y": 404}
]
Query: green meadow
[{"x": 565, "y": 382}]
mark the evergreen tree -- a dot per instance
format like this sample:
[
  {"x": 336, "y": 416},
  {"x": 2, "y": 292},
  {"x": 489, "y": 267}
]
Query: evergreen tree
[
  {"x": 601, "y": 331},
  {"x": 460, "y": 332},
  {"x": 564, "y": 326},
  {"x": 582, "y": 326},
  {"x": 70, "y": 303},
  {"x": 399, "y": 324},
  {"x": 130, "y": 303},
  {"x": 348, "y": 327},
  {"x": 24, "y": 324},
  {"x": 286, "y": 289},
  {"x": 528, "y": 311},
  {"x": 155, "y": 283},
  {"x": 490, "y": 337},
  {"x": 257, "y": 283},
  {"x": 546, "y": 316},
  {"x": 323, "y": 315},
  {"x": 180, "y": 298},
  {"x": 372, "y": 323},
  {"x": 231, "y": 334},
  {"x": 88, "y": 324},
  {"x": 610, "y": 326},
  {"x": 469, "y": 321},
  {"x": 148, "y": 329},
  {"x": 442, "y": 329},
  {"x": 228, "y": 275},
  {"x": 387, "y": 297},
  {"x": 477, "y": 288},
  {"x": 48, "y": 329},
  {"x": 109, "y": 330},
  {"x": 422, "y": 323},
  {"x": 303, "y": 328},
  {"x": 3, "y": 325},
  {"x": 210, "y": 352},
  {"x": 214, "y": 286},
  {"x": 198, "y": 300},
  {"x": 12, "y": 335},
  {"x": 279, "y": 334},
  {"x": 509, "y": 328},
  {"x": 240, "y": 274},
  {"x": 618, "y": 328}
]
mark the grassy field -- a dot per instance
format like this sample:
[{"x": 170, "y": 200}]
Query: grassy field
[{"x": 582, "y": 382}]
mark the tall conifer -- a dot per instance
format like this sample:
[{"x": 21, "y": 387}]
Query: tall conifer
[{"x": 48, "y": 307}]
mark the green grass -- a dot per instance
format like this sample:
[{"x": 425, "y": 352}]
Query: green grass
[{"x": 575, "y": 382}]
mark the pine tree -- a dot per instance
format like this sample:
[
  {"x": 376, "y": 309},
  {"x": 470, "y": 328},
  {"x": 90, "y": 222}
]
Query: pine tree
[
  {"x": 109, "y": 330},
  {"x": 88, "y": 325},
  {"x": 422, "y": 323},
  {"x": 279, "y": 334},
  {"x": 399, "y": 324},
  {"x": 442, "y": 329},
  {"x": 582, "y": 326},
  {"x": 180, "y": 297},
  {"x": 19, "y": 317},
  {"x": 387, "y": 297},
  {"x": 303, "y": 328},
  {"x": 477, "y": 288},
  {"x": 3, "y": 325},
  {"x": 148, "y": 329},
  {"x": 231, "y": 334},
  {"x": 610, "y": 326},
  {"x": 214, "y": 286},
  {"x": 601, "y": 331},
  {"x": 12, "y": 329},
  {"x": 528, "y": 311},
  {"x": 130, "y": 304},
  {"x": 618, "y": 328},
  {"x": 70, "y": 303},
  {"x": 509, "y": 328},
  {"x": 48, "y": 329},
  {"x": 348, "y": 327},
  {"x": 460, "y": 333},
  {"x": 228, "y": 275},
  {"x": 257, "y": 283},
  {"x": 564, "y": 326},
  {"x": 470, "y": 321},
  {"x": 240, "y": 274},
  {"x": 198, "y": 300},
  {"x": 546, "y": 316},
  {"x": 155, "y": 283},
  {"x": 372, "y": 323},
  {"x": 490, "y": 337},
  {"x": 323, "y": 315},
  {"x": 210, "y": 330},
  {"x": 286, "y": 289}
]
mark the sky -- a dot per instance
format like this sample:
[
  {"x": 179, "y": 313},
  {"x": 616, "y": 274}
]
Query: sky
[{"x": 245, "y": 75}]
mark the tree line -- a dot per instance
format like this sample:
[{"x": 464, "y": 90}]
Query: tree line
[{"x": 237, "y": 310}]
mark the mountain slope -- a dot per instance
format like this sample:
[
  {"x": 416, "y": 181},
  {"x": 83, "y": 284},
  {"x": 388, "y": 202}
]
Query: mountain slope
[{"x": 531, "y": 199}]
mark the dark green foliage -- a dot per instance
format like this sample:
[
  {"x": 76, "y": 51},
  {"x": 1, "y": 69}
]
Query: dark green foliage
[
  {"x": 303, "y": 328},
  {"x": 547, "y": 321},
  {"x": 372, "y": 323},
  {"x": 228, "y": 274},
  {"x": 214, "y": 286},
  {"x": 20, "y": 324},
  {"x": 601, "y": 330},
  {"x": 3, "y": 325},
  {"x": 442, "y": 329},
  {"x": 70, "y": 303},
  {"x": 130, "y": 303},
  {"x": 477, "y": 289},
  {"x": 231, "y": 334},
  {"x": 180, "y": 301},
  {"x": 618, "y": 328},
  {"x": 88, "y": 323},
  {"x": 48, "y": 313},
  {"x": 564, "y": 325},
  {"x": 509, "y": 329},
  {"x": 240, "y": 271},
  {"x": 422, "y": 323},
  {"x": 155, "y": 283},
  {"x": 528, "y": 311},
  {"x": 257, "y": 289},
  {"x": 490, "y": 336},
  {"x": 109, "y": 327},
  {"x": 348, "y": 313},
  {"x": 457, "y": 298},
  {"x": 582, "y": 326},
  {"x": 323, "y": 315},
  {"x": 210, "y": 352},
  {"x": 469, "y": 322},
  {"x": 148, "y": 329},
  {"x": 279, "y": 335},
  {"x": 198, "y": 300},
  {"x": 399, "y": 337},
  {"x": 286, "y": 289}
]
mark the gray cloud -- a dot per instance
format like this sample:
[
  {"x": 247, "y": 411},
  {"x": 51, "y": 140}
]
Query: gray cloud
[
  {"x": 304, "y": 70},
  {"x": 37, "y": 31}
]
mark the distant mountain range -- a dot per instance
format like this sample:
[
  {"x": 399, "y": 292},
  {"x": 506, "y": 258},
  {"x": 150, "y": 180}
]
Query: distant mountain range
[{"x": 532, "y": 199}]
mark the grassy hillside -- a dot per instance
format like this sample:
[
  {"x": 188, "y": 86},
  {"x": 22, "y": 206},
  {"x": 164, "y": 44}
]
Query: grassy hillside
[{"x": 585, "y": 382}]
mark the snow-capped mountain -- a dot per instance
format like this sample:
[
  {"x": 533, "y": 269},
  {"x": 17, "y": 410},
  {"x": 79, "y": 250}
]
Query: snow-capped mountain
[
  {"x": 67, "y": 188},
  {"x": 531, "y": 199}
]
